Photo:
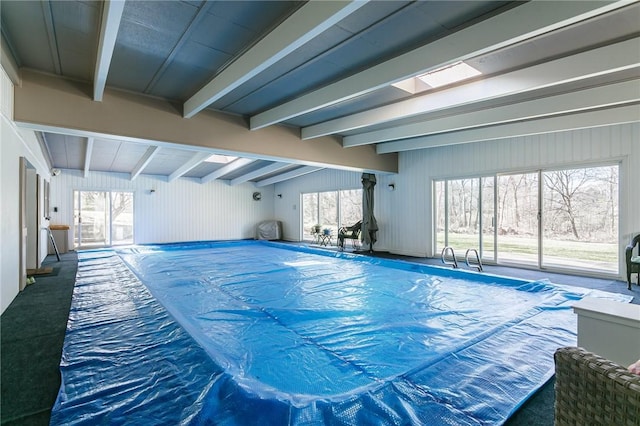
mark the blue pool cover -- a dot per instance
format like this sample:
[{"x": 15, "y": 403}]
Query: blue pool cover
[{"x": 259, "y": 333}]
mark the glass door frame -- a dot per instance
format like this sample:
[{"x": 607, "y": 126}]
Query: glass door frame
[
  {"x": 108, "y": 195},
  {"x": 481, "y": 221},
  {"x": 79, "y": 211},
  {"x": 305, "y": 231},
  {"x": 441, "y": 207},
  {"x": 537, "y": 263}
]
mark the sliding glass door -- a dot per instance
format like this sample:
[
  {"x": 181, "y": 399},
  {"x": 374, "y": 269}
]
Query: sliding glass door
[
  {"x": 559, "y": 219},
  {"x": 517, "y": 218},
  {"x": 488, "y": 218},
  {"x": 102, "y": 218},
  {"x": 580, "y": 211},
  {"x": 91, "y": 219},
  {"x": 464, "y": 216},
  {"x": 121, "y": 217},
  {"x": 330, "y": 210}
]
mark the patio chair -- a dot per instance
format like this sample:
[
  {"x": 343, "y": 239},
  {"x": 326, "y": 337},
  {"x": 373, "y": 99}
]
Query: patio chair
[
  {"x": 592, "y": 390},
  {"x": 349, "y": 233},
  {"x": 633, "y": 262}
]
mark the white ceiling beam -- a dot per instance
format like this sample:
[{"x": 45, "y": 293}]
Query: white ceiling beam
[
  {"x": 195, "y": 160},
  {"x": 303, "y": 25},
  {"x": 227, "y": 168},
  {"x": 271, "y": 168},
  {"x": 591, "y": 98},
  {"x": 604, "y": 60},
  {"x": 87, "y": 156},
  {"x": 580, "y": 120},
  {"x": 151, "y": 152},
  {"x": 111, "y": 17},
  {"x": 51, "y": 35},
  {"x": 288, "y": 175},
  {"x": 512, "y": 26}
]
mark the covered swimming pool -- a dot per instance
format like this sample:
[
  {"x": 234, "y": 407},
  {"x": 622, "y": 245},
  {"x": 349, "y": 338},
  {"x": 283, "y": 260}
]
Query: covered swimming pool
[{"x": 254, "y": 332}]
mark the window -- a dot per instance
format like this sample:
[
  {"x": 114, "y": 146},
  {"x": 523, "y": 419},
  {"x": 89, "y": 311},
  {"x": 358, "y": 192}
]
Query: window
[
  {"x": 102, "y": 218},
  {"x": 517, "y": 222},
  {"x": 350, "y": 206},
  {"x": 331, "y": 210},
  {"x": 559, "y": 219},
  {"x": 580, "y": 218},
  {"x": 464, "y": 215}
]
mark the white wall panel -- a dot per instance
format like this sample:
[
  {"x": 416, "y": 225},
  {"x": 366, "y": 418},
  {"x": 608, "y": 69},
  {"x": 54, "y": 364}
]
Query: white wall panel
[
  {"x": 183, "y": 210},
  {"x": 405, "y": 215},
  {"x": 287, "y": 208},
  {"x": 15, "y": 143},
  {"x": 588, "y": 146},
  {"x": 6, "y": 96}
]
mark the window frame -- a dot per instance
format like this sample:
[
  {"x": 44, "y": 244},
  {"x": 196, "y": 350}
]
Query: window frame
[
  {"x": 305, "y": 234},
  {"x": 442, "y": 185}
]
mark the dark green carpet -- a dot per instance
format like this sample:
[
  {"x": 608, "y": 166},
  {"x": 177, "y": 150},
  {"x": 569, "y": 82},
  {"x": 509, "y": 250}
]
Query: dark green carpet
[{"x": 32, "y": 333}]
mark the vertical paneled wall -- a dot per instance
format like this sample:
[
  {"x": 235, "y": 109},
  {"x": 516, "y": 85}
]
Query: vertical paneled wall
[
  {"x": 6, "y": 96},
  {"x": 287, "y": 208},
  {"x": 405, "y": 215},
  {"x": 413, "y": 229},
  {"x": 14, "y": 143},
  {"x": 183, "y": 210},
  {"x": 186, "y": 210}
]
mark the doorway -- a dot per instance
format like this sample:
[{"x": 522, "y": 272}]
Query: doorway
[
  {"x": 102, "y": 218},
  {"x": 331, "y": 210},
  {"x": 518, "y": 219},
  {"x": 29, "y": 220},
  {"x": 547, "y": 219}
]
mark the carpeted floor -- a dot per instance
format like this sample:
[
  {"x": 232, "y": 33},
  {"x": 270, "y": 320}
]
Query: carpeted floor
[
  {"x": 34, "y": 325},
  {"x": 32, "y": 332}
]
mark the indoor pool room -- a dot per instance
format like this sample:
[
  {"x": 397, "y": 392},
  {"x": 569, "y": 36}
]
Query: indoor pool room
[
  {"x": 269, "y": 333},
  {"x": 319, "y": 213}
]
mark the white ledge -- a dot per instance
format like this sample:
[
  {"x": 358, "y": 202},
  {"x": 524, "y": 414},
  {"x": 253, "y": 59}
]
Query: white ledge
[
  {"x": 610, "y": 329},
  {"x": 609, "y": 310}
]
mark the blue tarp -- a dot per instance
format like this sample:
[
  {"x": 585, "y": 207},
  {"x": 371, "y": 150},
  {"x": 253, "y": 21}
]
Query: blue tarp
[{"x": 263, "y": 333}]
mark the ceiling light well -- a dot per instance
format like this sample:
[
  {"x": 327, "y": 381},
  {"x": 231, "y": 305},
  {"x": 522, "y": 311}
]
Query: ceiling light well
[
  {"x": 444, "y": 76},
  {"x": 220, "y": 159},
  {"x": 450, "y": 74}
]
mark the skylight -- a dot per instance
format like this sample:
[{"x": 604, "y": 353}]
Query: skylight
[
  {"x": 450, "y": 74},
  {"x": 220, "y": 159},
  {"x": 438, "y": 78}
]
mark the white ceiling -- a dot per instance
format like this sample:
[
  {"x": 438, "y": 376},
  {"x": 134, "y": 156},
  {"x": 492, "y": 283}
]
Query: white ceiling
[{"x": 326, "y": 68}]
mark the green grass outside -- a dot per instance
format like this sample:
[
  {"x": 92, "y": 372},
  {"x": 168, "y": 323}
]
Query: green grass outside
[{"x": 570, "y": 250}]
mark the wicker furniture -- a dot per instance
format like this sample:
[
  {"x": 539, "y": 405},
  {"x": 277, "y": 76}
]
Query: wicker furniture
[{"x": 591, "y": 390}]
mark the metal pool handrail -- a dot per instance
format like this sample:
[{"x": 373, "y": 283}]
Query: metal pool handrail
[
  {"x": 479, "y": 262},
  {"x": 453, "y": 262}
]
